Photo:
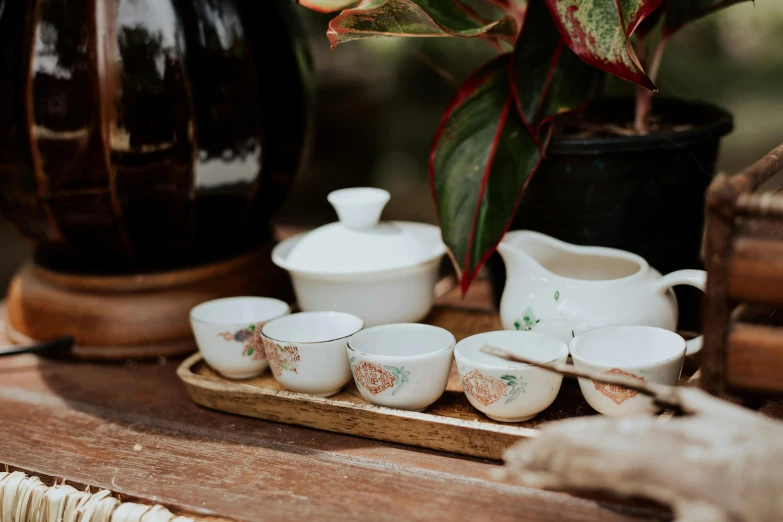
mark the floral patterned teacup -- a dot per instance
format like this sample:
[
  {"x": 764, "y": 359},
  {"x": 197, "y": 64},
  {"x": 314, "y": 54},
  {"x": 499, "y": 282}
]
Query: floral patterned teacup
[
  {"x": 644, "y": 353},
  {"x": 403, "y": 366},
  {"x": 228, "y": 333},
  {"x": 306, "y": 351},
  {"x": 507, "y": 391}
]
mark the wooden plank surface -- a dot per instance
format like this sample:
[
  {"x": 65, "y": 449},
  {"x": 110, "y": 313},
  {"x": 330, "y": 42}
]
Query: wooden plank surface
[{"x": 133, "y": 429}]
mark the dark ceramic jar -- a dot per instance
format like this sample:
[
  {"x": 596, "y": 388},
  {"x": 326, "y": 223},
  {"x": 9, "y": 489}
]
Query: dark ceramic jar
[{"x": 140, "y": 135}]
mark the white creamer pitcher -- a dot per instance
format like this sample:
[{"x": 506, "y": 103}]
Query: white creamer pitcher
[{"x": 560, "y": 289}]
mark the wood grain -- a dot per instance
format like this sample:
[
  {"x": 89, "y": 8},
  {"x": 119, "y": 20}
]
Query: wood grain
[
  {"x": 451, "y": 424},
  {"x": 754, "y": 358},
  {"x": 117, "y": 317},
  {"x": 756, "y": 271},
  {"x": 743, "y": 252},
  {"x": 81, "y": 421}
]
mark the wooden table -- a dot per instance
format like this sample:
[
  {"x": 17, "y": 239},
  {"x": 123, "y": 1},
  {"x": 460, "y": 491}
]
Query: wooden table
[{"x": 132, "y": 428}]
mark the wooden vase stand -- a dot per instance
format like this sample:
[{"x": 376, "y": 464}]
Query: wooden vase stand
[{"x": 130, "y": 316}]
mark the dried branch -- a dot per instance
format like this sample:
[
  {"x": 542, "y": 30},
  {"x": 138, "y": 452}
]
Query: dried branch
[
  {"x": 715, "y": 464},
  {"x": 663, "y": 395}
]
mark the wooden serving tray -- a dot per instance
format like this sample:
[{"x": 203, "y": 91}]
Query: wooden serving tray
[{"x": 451, "y": 424}]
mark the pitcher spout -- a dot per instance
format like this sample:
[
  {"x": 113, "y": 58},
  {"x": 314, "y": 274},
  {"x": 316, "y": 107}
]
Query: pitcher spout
[
  {"x": 539, "y": 255},
  {"x": 515, "y": 255}
]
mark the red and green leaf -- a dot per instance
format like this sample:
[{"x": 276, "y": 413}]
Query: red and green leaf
[
  {"x": 599, "y": 32},
  {"x": 680, "y": 12},
  {"x": 481, "y": 160},
  {"x": 547, "y": 77},
  {"x": 510, "y": 5},
  {"x": 427, "y": 18},
  {"x": 514, "y": 8},
  {"x": 328, "y": 6}
]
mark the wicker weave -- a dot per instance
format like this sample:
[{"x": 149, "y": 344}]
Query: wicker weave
[{"x": 28, "y": 499}]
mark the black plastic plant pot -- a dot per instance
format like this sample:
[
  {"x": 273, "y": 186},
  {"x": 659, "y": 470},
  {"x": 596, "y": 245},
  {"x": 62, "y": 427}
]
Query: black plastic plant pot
[{"x": 644, "y": 194}]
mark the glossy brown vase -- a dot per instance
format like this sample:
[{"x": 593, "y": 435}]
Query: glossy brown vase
[{"x": 146, "y": 135}]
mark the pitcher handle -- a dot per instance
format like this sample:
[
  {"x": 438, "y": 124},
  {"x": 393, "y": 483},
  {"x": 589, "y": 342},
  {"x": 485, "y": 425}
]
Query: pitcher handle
[{"x": 694, "y": 278}]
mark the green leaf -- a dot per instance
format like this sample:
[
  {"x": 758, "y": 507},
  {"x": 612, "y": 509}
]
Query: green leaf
[
  {"x": 547, "y": 78},
  {"x": 482, "y": 157},
  {"x": 284, "y": 366},
  {"x": 680, "y": 12},
  {"x": 598, "y": 31},
  {"x": 252, "y": 327},
  {"x": 373, "y": 18},
  {"x": 557, "y": 295},
  {"x": 529, "y": 317},
  {"x": 250, "y": 351},
  {"x": 327, "y": 6},
  {"x": 516, "y": 5},
  {"x": 514, "y": 8}
]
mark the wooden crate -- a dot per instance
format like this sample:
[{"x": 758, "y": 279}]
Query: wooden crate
[{"x": 743, "y": 330}]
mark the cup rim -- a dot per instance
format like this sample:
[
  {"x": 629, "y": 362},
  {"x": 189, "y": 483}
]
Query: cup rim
[
  {"x": 573, "y": 347},
  {"x": 417, "y": 326},
  {"x": 511, "y": 365},
  {"x": 270, "y": 300},
  {"x": 300, "y": 315}
]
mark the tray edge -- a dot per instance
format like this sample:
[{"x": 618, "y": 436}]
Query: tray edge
[{"x": 458, "y": 436}]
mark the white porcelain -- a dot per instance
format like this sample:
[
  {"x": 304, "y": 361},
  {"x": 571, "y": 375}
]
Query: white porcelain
[
  {"x": 228, "y": 333},
  {"x": 382, "y": 272},
  {"x": 507, "y": 391},
  {"x": 403, "y": 366},
  {"x": 649, "y": 354},
  {"x": 564, "y": 290},
  {"x": 306, "y": 351},
  {"x": 359, "y": 242}
]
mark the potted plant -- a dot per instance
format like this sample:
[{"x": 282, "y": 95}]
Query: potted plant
[{"x": 608, "y": 172}]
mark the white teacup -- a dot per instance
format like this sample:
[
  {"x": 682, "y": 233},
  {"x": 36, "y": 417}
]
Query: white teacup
[
  {"x": 306, "y": 351},
  {"x": 403, "y": 366},
  {"x": 507, "y": 391},
  {"x": 644, "y": 353},
  {"x": 228, "y": 333}
]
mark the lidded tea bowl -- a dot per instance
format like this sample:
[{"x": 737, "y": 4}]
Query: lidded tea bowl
[{"x": 382, "y": 272}]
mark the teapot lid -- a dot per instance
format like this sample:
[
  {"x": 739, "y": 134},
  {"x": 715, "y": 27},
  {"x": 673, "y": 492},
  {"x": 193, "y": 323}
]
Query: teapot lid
[{"x": 359, "y": 242}]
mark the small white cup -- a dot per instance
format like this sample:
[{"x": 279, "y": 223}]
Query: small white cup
[
  {"x": 644, "y": 353},
  {"x": 403, "y": 366},
  {"x": 506, "y": 391},
  {"x": 228, "y": 333},
  {"x": 306, "y": 351}
]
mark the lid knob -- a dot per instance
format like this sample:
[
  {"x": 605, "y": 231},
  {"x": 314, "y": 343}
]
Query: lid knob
[{"x": 359, "y": 208}]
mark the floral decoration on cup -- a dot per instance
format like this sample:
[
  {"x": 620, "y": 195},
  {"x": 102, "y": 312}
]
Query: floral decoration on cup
[
  {"x": 376, "y": 378},
  {"x": 282, "y": 358},
  {"x": 618, "y": 394},
  {"x": 251, "y": 337},
  {"x": 487, "y": 389}
]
